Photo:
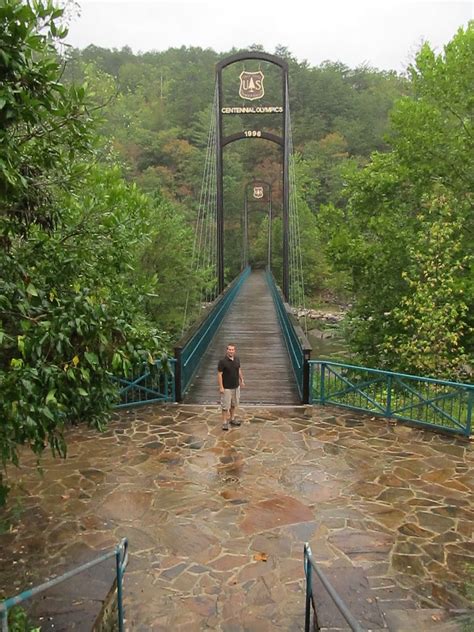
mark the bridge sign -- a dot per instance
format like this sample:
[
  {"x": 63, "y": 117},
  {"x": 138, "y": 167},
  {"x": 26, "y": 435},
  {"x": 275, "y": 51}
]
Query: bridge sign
[
  {"x": 251, "y": 85},
  {"x": 258, "y": 193}
]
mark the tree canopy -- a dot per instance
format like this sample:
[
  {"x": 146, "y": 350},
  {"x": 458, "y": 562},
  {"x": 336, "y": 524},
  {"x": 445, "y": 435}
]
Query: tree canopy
[
  {"x": 406, "y": 233},
  {"x": 74, "y": 235},
  {"x": 159, "y": 122}
]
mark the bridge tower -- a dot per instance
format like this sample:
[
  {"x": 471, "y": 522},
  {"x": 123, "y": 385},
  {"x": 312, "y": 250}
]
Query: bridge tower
[
  {"x": 261, "y": 191},
  {"x": 251, "y": 90}
]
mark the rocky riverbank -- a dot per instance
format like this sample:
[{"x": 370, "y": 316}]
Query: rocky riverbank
[
  {"x": 330, "y": 318},
  {"x": 325, "y": 333}
]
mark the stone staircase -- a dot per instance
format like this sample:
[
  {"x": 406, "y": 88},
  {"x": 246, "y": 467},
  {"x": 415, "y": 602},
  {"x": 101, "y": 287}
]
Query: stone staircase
[{"x": 379, "y": 605}]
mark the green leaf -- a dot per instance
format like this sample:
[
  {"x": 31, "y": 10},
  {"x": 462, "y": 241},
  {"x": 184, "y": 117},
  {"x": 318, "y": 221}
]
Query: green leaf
[
  {"x": 31, "y": 290},
  {"x": 91, "y": 358},
  {"x": 50, "y": 397},
  {"x": 116, "y": 361},
  {"x": 21, "y": 344},
  {"x": 47, "y": 412}
]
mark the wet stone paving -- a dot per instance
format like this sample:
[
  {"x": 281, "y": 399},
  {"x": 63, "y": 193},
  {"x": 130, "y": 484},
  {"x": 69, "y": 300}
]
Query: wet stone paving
[{"x": 216, "y": 521}]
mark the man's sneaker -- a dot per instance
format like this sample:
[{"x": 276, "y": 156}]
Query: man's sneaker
[
  {"x": 235, "y": 422},
  {"x": 225, "y": 426}
]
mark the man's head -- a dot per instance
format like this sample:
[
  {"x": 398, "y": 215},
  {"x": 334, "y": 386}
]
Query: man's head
[{"x": 230, "y": 351}]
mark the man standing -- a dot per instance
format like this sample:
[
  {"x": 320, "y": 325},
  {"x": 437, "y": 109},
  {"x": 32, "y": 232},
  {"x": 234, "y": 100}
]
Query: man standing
[{"x": 230, "y": 379}]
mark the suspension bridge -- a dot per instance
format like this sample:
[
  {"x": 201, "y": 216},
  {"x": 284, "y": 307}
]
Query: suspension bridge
[
  {"x": 254, "y": 308},
  {"x": 251, "y": 320}
]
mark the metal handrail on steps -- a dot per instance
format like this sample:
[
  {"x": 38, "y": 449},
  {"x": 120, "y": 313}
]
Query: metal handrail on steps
[
  {"x": 309, "y": 566},
  {"x": 120, "y": 552}
]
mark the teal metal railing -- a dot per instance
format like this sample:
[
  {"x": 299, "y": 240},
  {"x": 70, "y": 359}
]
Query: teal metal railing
[
  {"x": 425, "y": 401},
  {"x": 190, "y": 349},
  {"x": 298, "y": 347},
  {"x": 120, "y": 553},
  {"x": 310, "y": 566},
  {"x": 148, "y": 383}
]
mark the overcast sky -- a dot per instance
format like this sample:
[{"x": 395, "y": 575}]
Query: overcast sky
[{"x": 382, "y": 33}]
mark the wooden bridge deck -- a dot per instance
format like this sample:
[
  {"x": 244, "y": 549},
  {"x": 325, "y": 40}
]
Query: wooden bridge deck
[{"x": 252, "y": 325}]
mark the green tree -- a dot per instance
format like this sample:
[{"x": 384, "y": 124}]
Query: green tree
[
  {"x": 167, "y": 259},
  {"x": 71, "y": 293},
  {"x": 432, "y": 315},
  {"x": 406, "y": 234},
  {"x": 324, "y": 162},
  {"x": 44, "y": 126}
]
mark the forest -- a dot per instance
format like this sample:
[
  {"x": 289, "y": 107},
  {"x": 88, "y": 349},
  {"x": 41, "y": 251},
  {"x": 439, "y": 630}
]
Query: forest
[{"x": 101, "y": 161}]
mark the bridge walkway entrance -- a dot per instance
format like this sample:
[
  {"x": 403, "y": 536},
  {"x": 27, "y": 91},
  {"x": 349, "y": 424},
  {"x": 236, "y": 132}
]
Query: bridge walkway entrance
[{"x": 252, "y": 325}]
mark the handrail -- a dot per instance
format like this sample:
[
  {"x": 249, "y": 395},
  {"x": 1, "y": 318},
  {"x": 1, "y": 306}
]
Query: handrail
[
  {"x": 190, "y": 349},
  {"x": 425, "y": 401},
  {"x": 372, "y": 370},
  {"x": 150, "y": 384},
  {"x": 309, "y": 565},
  {"x": 299, "y": 348},
  {"x": 120, "y": 552}
]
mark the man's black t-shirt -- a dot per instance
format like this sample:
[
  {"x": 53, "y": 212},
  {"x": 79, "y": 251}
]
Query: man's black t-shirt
[{"x": 230, "y": 371}]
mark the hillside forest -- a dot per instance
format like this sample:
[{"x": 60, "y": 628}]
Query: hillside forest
[{"x": 101, "y": 167}]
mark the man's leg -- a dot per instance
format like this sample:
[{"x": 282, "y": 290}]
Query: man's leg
[
  {"x": 225, "y": 403},
  {"x": 225, "y": 419},
  {"x": 234, "y": 406}
]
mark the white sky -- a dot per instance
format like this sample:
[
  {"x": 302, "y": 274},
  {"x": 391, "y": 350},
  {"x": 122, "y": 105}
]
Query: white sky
[{"x": 384, "y": 33}]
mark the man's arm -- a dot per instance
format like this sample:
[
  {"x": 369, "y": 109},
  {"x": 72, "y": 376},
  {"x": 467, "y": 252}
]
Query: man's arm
[
  {"x": 241, "y": 377},
  {"x": 220, "y": 382}
]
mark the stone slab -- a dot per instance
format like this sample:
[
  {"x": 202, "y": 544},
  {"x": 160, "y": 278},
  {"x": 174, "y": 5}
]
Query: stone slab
[{"x": 352, "y": 584}]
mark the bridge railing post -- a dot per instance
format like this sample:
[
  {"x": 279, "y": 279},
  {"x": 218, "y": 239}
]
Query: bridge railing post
[
  {"x": 322, "y": 396},
  {"x": 309, "y": 587},
  {"x": 177, "y": 374},
  {"x": 470, "y": 407},
  {"x": 389, "y": 396},
  {"x": 306, "y": 376}
]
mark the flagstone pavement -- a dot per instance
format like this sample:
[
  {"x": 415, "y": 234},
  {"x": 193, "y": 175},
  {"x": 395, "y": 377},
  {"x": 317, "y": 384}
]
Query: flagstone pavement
[{"x": 216, "y": 521}]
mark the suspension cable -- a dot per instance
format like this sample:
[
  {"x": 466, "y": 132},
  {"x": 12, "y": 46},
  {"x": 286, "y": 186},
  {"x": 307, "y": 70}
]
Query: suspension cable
[
  {"x": 297, "y": 291},
  {"x": 204, "y": 252}
]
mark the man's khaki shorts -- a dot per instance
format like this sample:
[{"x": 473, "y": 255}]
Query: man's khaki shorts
[{"x": 230, "y": 398}]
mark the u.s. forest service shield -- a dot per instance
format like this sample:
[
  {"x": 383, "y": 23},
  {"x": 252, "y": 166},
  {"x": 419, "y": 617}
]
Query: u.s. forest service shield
[
  {"x": 258, "y": 193},
  {"x": 251, "y": 85}
]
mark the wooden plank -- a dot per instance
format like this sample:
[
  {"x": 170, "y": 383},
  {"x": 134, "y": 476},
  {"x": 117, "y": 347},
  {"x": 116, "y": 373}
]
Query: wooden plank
[{"x": 252, "y": 325}]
